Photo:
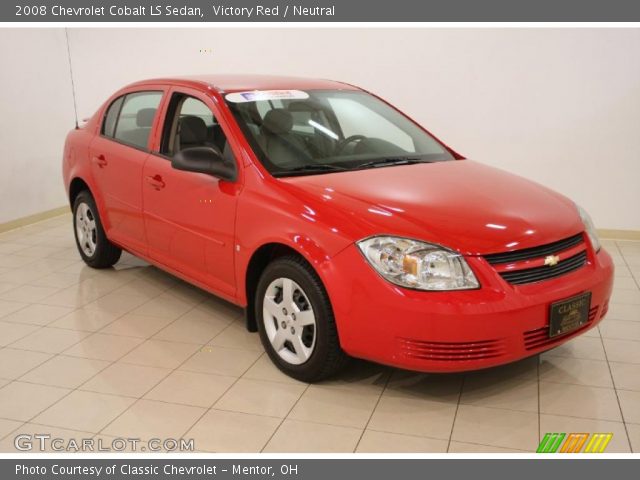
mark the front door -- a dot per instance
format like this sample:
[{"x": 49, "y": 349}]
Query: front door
[{"x": 190, "y": 217}]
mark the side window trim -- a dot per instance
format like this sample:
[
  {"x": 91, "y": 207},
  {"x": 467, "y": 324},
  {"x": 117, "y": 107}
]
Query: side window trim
[
  {"x": 170, "y": 113},
  {"x": 115, "y": 125},
  {"x": 162, "y": 91},
  {"x": 107, "y": 111}
]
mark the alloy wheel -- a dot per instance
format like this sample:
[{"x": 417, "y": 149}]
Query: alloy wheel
[
  {"x": 289, "y": 321},
  {"x": 86, "y": 229}
]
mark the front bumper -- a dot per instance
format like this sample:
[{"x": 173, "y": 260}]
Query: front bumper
[{"x": 455, "y": 331}]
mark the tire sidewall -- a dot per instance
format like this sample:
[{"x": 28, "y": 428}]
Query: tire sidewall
[{"x": 319, "y": 300}]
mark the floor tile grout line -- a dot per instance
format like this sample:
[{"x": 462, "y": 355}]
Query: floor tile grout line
[
  {"x": 539, "y": 408},
  {"x": 19, "y": 338},
  {"x": 595, "y": 419},
  {"x": 622, "y": 416},
  {"x": 518, "y": 450},
  {"x": 412, "y": 435},
  {"x": 4, "y": 437},
  {"x": 455, "y": 414},
  {"x": 283, "y": 419},
  {"x": 373, "y": 411},
  {"x": 544, "y": 413},
  {"x": 636, "y": 280},
  {"x": 557, "y": 382}
]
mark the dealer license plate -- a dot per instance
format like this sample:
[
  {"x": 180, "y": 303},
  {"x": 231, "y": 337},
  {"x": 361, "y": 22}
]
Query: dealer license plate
[{"x": 569, "y": 315}]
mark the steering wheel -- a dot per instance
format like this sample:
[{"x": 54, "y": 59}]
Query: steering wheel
[{"x": 346, "y": 141}]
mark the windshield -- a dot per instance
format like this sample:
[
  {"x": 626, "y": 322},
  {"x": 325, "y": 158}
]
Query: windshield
[{"x": 320, "y": 131}]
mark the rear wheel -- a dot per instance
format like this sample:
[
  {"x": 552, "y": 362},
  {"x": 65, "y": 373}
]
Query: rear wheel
[
  {"x": 295, "y": 320},
  {"x": 94, "y": 247}
]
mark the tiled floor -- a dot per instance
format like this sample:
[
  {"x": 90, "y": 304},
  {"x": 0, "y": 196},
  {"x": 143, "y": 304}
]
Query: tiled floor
[{"x": 133, "y": 352}]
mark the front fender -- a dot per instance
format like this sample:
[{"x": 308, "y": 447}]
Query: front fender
[{"x": 267, "y": 214}]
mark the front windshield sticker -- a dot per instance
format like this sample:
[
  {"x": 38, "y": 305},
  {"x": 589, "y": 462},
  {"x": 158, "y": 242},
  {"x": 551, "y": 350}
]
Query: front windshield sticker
[{"x": 261, "y": 95}]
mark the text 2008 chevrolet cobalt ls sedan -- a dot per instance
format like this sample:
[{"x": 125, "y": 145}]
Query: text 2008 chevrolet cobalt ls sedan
[{"x": 342, "y": 226}]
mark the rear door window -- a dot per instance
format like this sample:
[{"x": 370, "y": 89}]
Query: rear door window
[{"x": 134, "y": 122}]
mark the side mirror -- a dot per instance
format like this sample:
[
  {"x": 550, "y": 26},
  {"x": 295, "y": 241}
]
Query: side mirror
[{"x": 205, "y": 160}]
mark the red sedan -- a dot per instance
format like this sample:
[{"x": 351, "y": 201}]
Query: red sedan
[{"x": 341, "y": 226}]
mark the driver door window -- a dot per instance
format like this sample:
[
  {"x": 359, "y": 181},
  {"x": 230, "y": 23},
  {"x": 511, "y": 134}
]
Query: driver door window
[{"x": 190, "y": 123}]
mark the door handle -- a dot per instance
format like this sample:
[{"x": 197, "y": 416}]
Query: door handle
[
  {"x": 155, "y": 181},
  {"x": 100, "y": 161}
]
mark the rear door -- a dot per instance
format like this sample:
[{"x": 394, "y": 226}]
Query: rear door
[
  {"x": 117, "y": 156},
  {"x": 190, "y": 217}
]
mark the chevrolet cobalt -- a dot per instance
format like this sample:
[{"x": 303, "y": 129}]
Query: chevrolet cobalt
[{"x": 343, "y": 227}]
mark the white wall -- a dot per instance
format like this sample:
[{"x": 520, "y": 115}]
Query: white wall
[
  {"x": 36, "y": 106},
  {"x": 559, "y": 106}
]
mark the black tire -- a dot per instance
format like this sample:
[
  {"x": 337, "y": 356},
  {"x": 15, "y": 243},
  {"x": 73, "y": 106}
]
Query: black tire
[
  {"x": 327, "y": 357},
  {"x": 105, "y": 254}
]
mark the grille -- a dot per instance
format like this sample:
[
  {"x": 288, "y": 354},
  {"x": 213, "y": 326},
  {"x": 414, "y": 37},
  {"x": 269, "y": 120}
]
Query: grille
[
  {"x": 539, "y": 337},
  {"x": 536, "y": 274},
  {"x": 452, "y": 351},
  {"x": 534, "y": 252}
]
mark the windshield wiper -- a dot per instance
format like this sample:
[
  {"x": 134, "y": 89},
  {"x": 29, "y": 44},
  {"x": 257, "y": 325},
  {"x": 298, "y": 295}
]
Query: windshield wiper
[
  {"x": 385, "y": 162},
  {"x": 312, "y": 168}
]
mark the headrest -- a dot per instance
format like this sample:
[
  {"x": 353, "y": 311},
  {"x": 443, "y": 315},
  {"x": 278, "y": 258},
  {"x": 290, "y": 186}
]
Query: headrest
[
  {"x": 278, "y": 121},
  {"x": 193, "y": 130},
  {"x": 144, "y": 117}
]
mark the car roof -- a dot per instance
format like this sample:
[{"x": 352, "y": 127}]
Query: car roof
[{"x": 225, "y": 83}]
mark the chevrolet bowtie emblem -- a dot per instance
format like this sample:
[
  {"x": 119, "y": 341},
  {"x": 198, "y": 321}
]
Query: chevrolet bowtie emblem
[{"x": 551, "y": 260}]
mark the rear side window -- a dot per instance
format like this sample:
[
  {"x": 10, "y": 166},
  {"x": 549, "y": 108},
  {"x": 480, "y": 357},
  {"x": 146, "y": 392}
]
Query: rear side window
[{"x": 129, "y": 118}]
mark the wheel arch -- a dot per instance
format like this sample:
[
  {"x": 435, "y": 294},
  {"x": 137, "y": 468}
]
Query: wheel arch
[
  {"x": 259, "y": 260},
  {"x": 79, "y": 184},
  {"x": 76, "y": 186}
]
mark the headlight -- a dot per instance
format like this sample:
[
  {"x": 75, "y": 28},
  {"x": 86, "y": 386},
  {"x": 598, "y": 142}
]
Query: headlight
[
  {"x": 419, "y": 265},
  {"x": 589, "y": 228}
]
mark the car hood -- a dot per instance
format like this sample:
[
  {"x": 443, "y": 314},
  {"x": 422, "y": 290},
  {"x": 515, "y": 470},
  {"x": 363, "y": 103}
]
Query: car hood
[{"x": 464, "y": 205}]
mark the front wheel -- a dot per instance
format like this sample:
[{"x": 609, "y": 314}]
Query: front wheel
[
  {"x": 95, "y": 248},
  {"x": 295, "y": 320}
]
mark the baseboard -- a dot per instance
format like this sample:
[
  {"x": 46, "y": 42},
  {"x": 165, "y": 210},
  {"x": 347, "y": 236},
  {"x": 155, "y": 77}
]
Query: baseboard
[
  {"x": 37, "y": 217},
  {"x": 619, "y": 234}
]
